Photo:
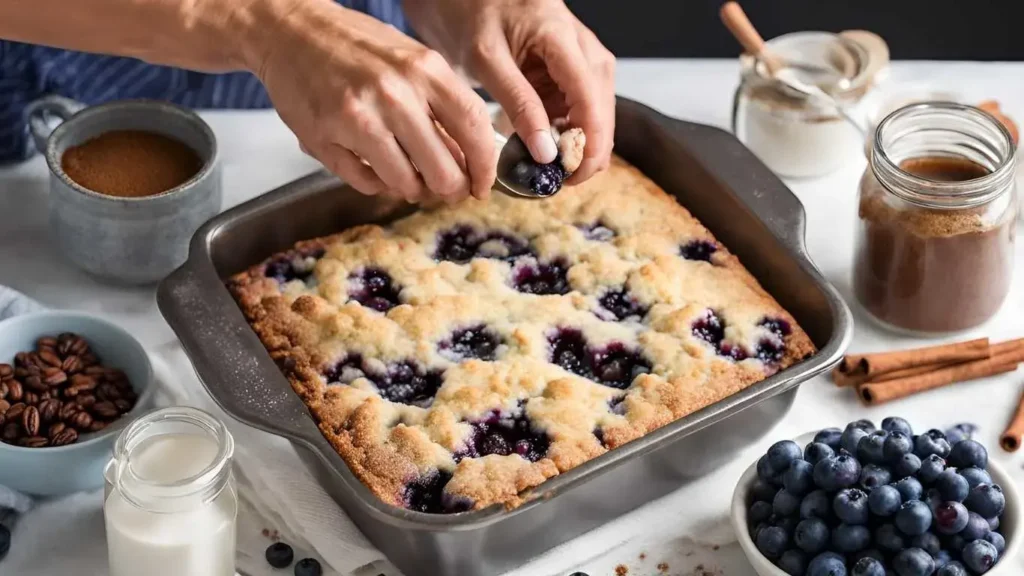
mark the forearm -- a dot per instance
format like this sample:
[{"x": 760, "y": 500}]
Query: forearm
[{"x": 207, "y": 35}]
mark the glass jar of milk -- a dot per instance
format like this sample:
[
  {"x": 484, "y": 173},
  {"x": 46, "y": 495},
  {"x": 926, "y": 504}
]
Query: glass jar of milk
[{"x": 171, "y": 501}]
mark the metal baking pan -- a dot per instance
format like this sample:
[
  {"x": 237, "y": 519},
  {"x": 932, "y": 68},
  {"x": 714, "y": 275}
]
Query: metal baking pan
[{"x": 705, "y": 168}]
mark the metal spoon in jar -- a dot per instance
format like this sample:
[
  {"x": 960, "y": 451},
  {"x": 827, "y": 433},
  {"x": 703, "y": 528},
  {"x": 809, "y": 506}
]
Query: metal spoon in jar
[{"x": 789, "y": 78}]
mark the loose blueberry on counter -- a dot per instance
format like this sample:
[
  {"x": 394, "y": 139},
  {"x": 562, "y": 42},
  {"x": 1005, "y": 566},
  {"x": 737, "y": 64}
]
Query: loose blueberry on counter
[
  {"x": 987, "y": 500},
  {"x": 541, "y": 279},
  {"x": 993, "y": 537},
  {"x": 980, "y": 556},
  {"x": 952, "y": 569},
  {"x": 698, "y": 250},
  {"x": 837, "y": 472},
  {"x": 374, "y": 289},
  {"x": 798, "y": 479},
  {"x": 951, "y": 518},
  {"x": 817, "y": 451},
  {"x": 870, "y": 449},
  {"x": 889, "y": 539},
  {"x": 884, "y": 501},
  {"x": 827, "y": 564},
  {"x": 297, "y": 267},
  {"x": 872, "y": 476},
  {"x": 817, "y": 504},
  {"x": 473, "y": 342},
  {"x": 543, "y": 179},
  {"x": 968, "y": 453},
  {"x": 793, "y": 562},
  {"x": 773, "y": 541},
  {"x": 931, "y": 442},
  {"x": 759, "y": 512},
  {"x": 849, "y": 538},
  {"x": 931, "y": 467},
  {"x": 785, "y": 503},
  {"x": 896, "y": 446},
  {"x": 910, "y": 488},
  {"x": 308, "y": 567},
  {"x": 597, "y": 232},
  {"x": 620, "y": 304},
  {"x": 895, "y": 423},
  {"x": 928, "y": 542},
  {"x": 830, "y": 437},
  {"x": 868, "y": 567},
  {"x": 463, "y": 243},
  {"x": 975, "y": 476},
  {"x": 963, "y": 431},
  {"x": 952, "y": 486},
  {"x": 908, "y": 465},
  {"x": 812, "y": 535},
  {"x": 851, "y": 506},
  {"x": 914, "y": 517},
  {"x": 426, "y": 494},
  {"x": 504, "y": 436},
  {"x": 913, "y": 562},
  {"x": 279, "y": 555}
]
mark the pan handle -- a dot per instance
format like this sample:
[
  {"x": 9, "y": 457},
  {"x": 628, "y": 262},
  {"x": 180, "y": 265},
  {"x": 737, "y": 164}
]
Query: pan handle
[{"x": 228, "y": 357}]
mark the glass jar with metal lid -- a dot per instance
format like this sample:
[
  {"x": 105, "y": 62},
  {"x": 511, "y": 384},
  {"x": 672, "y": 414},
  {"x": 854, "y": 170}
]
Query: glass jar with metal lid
[{"x": 936, "y": 226}]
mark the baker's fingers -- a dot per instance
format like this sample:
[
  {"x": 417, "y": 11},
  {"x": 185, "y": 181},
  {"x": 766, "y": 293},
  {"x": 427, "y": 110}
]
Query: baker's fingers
[
  {"x": 375, "y": 143},
  {"x": 501, "y": 76},
  {"x": 464, "y": 118},
  {"x": 350, "y": 169},
  {"x": 419, "y": 137}
]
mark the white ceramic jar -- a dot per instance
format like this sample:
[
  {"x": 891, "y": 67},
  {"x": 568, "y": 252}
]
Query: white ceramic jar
[{"x": 171, "y": 501}]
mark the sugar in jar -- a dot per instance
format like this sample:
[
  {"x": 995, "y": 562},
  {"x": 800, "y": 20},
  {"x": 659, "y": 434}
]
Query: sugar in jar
[{"x": 171, "y": 502}]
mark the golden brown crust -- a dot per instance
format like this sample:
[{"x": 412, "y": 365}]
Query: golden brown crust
[{"x": 309, "y": 327}]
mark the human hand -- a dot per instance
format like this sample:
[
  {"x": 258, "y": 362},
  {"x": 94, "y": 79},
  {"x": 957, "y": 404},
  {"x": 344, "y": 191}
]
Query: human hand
[
  {"x": 537, "y": 60},
  {"x": 382, "y": 111}
]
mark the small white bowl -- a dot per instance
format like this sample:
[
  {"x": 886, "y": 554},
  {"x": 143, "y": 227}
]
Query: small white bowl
[{"x": 1009, "y": 525}]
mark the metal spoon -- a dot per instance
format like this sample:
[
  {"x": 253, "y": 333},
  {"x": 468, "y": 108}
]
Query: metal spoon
[
  {"x": 513, "y": 151},
  {"x": 789, "y": 78}
]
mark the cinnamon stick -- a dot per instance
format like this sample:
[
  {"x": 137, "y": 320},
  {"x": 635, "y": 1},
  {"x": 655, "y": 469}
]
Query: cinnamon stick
[
  {"x": 1004, "y": 347},
  {"x": 1014, "y": 434},
  {"x": 945, "y": 353},
  {"x": 873, "y": 393}
]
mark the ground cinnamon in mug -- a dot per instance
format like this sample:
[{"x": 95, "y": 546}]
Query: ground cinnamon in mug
[{"x": 131, "y": 163}]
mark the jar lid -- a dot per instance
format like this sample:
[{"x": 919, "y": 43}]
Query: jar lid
[{"x": 839, "y": 65}]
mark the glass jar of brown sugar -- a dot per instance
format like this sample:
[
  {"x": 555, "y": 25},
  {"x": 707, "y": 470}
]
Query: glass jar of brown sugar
[{"x": 935, "y": 239}]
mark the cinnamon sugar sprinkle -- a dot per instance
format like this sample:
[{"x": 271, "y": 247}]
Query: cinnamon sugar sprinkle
[{"x": 621, "y": 570}]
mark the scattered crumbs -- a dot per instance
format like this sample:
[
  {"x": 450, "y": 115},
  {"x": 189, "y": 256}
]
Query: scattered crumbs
[
  {"x": 643, "y": 555},
  {"x": 271, "y": 534},
  {"x": 700, "y": 570},
  {"x": 715, "y": 547},
  {"x": 663, "y": 567},
  {"x": 690, "y": 553},
  {"x": 621, "y": 570}
]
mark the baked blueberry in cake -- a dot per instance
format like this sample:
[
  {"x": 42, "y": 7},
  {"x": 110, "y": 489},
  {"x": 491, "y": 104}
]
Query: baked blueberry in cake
[{"x": 461, "y": 356}]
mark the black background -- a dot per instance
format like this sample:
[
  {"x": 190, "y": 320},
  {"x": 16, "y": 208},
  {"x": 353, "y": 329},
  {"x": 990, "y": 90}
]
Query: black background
[{"x": 914, "y": 29}]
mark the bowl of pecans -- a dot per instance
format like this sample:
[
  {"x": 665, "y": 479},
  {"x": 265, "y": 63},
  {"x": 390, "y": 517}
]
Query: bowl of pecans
[{"x": 68, "y": 383}]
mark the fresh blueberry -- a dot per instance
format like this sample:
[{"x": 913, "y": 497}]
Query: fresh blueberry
[
  {"x": 980, "y": 556},
  {"x": 830, "y": 437},
  {"x": 698, "y": 250},
  {"x": 873, "y": 553},
  {"x": 993, "y": 537},
  {"x": 976, "y": 529},
  {"x": 942, "y": 558},
  {"x": 954, "y": 543},
  {"x": 987, "y": 500},
  {"x": 910, "y": 488},
  {"x": 913, "y": 562},
  {"x": 851, "y": 506},
  {"x": 928, "y": 542},
  {"x": 308, "y": 567},
  {"x": 851, "y": 438},
  {"x": 963, "y": 431},
  {"x": 868, "y": 567},
  {"x": 764, "y": 469},
  {"x": 913, "y": 518},
  {"x": 279, "y": 555},
  {"x": 897, "y": 445},
  {"x": 968, "y": 453},
  {"x": 799, "y": 478},
  {"x": 933, "y": 498},
  {"x": 756, "y": 529},
  {"x": 931, "y": 442},
  {"x": 786, "y": 503},
  {"x": 817, "y": 451},
  {"x": 837, "y": 472},
  {"x": 993, "y": 523},
  {"x": 817, "y": 504},
  {"x": 889, "y": 539},
  {"x": 952, "y": 569},
  {"x": 793, "y": 562},
  {"x": 763, "y": 491},
  {"x": 827, "y": 564},
  {"x": 5, "y": 541},
  {"x": 870, "y": 449},
  {"x": 884, "y": 501},
  {"x": 772, "y": 541},
  {"x": 952, "y": 486},
  {"x": 872, "y": 476},
  {"x": 782, "y": 453},
  {"x": 848, "y": 538},
  {"x": 621, "y": 305},
  {"x": 787, "y": 523},
  {"x": 895, "y": 423},
  {"x": 908, "y": 465},
  {"x": 759, "y": 512},
  {"x": 931, "y": 467},
  {"x": 864, "y": 424},
  {"x": 812, "y": 535},
  {"x": 975, "y": 476}
]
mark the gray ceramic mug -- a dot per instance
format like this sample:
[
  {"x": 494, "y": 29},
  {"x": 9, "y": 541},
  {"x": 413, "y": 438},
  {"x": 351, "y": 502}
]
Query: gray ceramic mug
[{"x": 126, "y": 240}]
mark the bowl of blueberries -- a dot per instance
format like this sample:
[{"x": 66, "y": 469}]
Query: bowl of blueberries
[{"x": 867, "y": 501}]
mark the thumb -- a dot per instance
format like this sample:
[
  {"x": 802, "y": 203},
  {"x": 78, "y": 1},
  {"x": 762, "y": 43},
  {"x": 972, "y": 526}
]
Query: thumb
[{"x": 500, "y": 75}]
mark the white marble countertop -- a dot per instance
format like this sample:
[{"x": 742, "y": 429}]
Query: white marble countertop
[{"x": 259, "y": 153}]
